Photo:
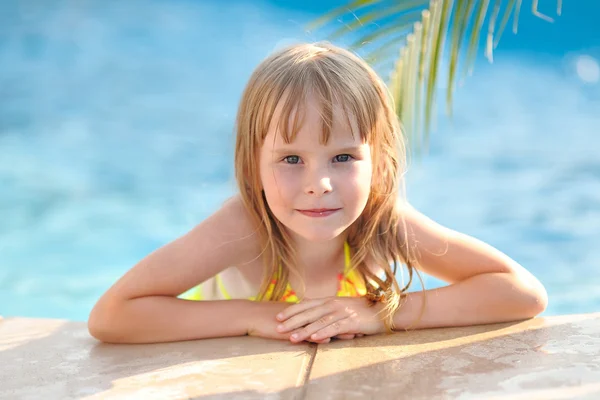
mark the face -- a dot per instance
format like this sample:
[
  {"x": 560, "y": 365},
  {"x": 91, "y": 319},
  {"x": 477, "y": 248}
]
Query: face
[{"x": 315, "y": 190}]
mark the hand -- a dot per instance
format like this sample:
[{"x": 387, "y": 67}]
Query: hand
[
  {"x": 320, "y": 319},
  {"x": 262, "y": 322}
]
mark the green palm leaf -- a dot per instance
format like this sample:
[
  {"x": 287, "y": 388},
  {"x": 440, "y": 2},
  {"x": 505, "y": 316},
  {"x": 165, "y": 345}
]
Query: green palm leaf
[{"x": 411, "y": 34}]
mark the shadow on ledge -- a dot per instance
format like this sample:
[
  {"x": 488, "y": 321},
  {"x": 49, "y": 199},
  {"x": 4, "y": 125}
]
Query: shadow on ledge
[{"x": 556, "y": 357}]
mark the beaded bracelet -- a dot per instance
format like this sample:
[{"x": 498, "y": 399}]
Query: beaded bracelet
[
  {"x": 379, "y": 296},
  {"x": 375, "y": 297}
]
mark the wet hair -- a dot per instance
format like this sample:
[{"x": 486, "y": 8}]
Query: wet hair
[{"x": 334, "y": 77}]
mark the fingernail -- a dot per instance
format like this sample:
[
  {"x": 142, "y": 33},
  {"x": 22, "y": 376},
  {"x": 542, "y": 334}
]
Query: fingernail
[
  {"x": 279, "y": 316},
  {"x": 295, "y": 336},
  {"x": 280, "y": 327}
]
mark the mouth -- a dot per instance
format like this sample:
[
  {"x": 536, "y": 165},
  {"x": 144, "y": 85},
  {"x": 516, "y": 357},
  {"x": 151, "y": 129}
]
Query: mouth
[{"x": 319, "y": 212}]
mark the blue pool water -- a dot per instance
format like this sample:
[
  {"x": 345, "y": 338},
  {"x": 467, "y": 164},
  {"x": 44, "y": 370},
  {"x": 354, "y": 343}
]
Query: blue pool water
[{"x": 116, "y": 137}]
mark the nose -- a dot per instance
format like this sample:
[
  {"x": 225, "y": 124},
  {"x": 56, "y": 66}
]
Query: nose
[{"x": 318, "y": 182}]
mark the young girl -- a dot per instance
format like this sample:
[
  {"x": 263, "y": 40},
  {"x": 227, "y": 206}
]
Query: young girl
[{"x": 308, "y": 250}]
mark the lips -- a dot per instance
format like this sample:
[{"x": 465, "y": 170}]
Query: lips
[{"x": 318, "y": 212}]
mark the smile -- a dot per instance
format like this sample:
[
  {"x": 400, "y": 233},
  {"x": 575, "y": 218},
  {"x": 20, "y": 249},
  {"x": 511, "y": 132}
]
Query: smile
[{"x": 322, "y": 212}]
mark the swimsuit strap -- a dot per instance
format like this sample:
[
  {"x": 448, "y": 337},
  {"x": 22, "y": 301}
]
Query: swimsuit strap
[
  {"x": 350, "y": 281},
  {"x": 347, "y": 281},
  {"x": 347, "y": 257}
]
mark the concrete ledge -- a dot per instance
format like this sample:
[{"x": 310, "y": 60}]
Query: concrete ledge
[
  {"x": 554, "y": 358},
  {"x": 545, "y": 358}
]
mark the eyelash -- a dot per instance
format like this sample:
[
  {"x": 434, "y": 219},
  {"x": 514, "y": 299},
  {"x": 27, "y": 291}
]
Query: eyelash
[{"x": 348, "y": 155}]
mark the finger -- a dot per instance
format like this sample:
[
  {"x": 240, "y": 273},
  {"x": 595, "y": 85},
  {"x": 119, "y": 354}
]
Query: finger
[
  {"x": 336, "y": 328},
  {"x": 304, "y": 318},
  {"x": 345, "y": 336},
  {"x": 298, "y": 308},
  {"x": 335, "y": 323},
  {"x": 324, "y": 341},
  {"x": 320, "y": 341}
]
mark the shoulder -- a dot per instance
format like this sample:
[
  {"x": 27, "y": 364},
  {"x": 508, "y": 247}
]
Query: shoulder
[
  {"x": 418, "y": 226},
  {"x": 227, "y": 237},
  {"x": 245, "y": 246},
  {"x": 233, "y": 223},
  {"x": 447, "y": 254},
  {"x": 234, "y": 211}
]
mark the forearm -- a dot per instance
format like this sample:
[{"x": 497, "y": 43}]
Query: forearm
[
  {"x": 482, "y": 299},
  {"x": 167, "y": 319}
]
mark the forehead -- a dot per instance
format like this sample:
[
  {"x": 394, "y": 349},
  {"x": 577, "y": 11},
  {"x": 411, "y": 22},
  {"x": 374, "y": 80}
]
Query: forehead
[{"x": 310, "y": 122}]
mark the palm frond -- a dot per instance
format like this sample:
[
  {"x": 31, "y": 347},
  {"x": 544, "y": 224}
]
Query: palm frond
[
  {"x": 378, "y": 15},
  {"x": 412, "y": 36},
  {"x": 507, "y": 12},
  {"x": 402, "y": 23}
]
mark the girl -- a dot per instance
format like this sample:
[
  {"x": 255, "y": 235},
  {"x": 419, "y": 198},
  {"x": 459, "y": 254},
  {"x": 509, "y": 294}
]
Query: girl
[{"x": 320, "y": 217}]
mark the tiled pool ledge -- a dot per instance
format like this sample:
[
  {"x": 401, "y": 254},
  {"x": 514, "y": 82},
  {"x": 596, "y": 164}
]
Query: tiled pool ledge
[{"x": 543, "y": 358}]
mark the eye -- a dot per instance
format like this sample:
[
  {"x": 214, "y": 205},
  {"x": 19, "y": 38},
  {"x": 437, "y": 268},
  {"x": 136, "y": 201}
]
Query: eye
[
  {"x": 291, "y": 159},
  {"x": 343, "y": 157}
]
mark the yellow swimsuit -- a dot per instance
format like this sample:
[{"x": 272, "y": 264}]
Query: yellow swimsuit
[{"x": 349, "y": 285}]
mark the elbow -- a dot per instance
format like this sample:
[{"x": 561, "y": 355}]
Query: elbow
[
  {"x": 100, "y": 331},
  {"x": 524, "y": 296},
  {"x": 540, "y": 301},
  {"x": 102, "y": 324},
  {"x": 534, "y": 299}
]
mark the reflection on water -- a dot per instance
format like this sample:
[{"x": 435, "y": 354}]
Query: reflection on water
[{"x": 117, "y": 137}]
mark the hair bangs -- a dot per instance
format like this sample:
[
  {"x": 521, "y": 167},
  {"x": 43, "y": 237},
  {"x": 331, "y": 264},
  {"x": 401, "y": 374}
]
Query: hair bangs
[{"x": 335, "y": 99}]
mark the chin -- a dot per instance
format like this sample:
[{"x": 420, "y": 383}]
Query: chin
[{"x": 320, "y": 235}]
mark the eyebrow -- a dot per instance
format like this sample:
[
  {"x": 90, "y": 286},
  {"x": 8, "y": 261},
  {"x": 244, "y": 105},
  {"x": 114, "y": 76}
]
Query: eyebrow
[{"x": 351, "y": 149}]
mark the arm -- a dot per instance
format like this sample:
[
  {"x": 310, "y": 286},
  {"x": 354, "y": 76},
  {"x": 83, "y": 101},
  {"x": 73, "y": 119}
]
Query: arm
[
  {"x": 143, "y": 307},
  {"x": 486, "y": 286},
  {"x": 155, "y": 319}
]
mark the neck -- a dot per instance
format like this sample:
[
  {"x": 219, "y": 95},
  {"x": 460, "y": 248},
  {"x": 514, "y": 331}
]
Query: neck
[{"x": 314, "y": 257}]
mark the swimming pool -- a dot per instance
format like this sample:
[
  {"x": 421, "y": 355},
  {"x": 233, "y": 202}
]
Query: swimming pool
[{"x": 118, "y": 137}]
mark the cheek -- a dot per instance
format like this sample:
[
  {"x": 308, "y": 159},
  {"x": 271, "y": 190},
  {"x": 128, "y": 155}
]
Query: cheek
[
  {"x": 280, "y": 184},
  {"x": 366, "y": 175},
  {"x": 359, "y": 180}
]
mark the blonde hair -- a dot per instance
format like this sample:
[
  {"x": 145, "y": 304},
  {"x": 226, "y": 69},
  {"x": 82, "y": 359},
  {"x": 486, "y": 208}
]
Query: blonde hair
[{"x": 336, "y": 77}]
